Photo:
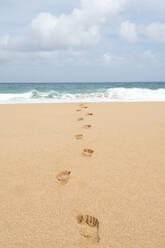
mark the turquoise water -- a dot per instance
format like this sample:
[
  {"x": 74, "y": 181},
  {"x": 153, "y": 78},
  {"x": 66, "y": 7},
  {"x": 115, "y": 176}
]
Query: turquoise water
[{"x": 76, "y": 92}]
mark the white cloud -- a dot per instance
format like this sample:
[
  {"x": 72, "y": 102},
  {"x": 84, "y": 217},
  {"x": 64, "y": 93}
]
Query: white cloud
[
  {"x": 128, "y": 31},
  {"x": 4, "y": 41},
  {"x": 78, "y": 29},
  {"x": 148, "y": 54},
  {"x": 44, "y": 37},
  {"x": 109, "y": 59},
  {"x": 156, "y": 31}
]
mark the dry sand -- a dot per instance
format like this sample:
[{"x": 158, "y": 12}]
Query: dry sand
[{"x": 48, "y": 184}]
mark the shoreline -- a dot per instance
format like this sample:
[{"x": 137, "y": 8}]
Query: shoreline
[{"x": 77, "y": 102}]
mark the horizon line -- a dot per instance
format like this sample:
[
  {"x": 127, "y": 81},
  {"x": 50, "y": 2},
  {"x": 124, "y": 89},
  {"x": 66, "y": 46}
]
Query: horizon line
[{"x": 81, "y": 82}]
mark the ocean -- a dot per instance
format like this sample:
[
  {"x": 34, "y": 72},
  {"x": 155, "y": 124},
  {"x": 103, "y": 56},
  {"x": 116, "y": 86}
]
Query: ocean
[{"x": 81, "y": 92}]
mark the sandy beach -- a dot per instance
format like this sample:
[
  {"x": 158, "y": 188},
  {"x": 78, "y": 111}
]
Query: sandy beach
[{"x": 76, "y": 177}]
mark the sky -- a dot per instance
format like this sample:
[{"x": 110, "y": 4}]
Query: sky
[{"x": 82, "y": 40}]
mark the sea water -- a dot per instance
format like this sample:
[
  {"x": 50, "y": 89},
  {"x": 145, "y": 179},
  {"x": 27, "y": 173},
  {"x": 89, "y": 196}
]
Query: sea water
[{"x": 81, "y": 92}]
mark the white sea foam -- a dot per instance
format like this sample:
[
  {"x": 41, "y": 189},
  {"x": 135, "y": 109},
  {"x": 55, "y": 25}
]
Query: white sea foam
[{"x": 110, "y": 95}]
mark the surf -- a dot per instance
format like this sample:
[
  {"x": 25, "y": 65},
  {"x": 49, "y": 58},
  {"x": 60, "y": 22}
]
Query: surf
[{"x": 101, "y": 95}]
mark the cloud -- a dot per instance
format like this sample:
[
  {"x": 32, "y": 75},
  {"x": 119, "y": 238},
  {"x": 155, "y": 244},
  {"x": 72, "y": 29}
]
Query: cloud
[
  {"x": 48, "y": 39},
  {"x": 131, "y": 31},
  {"x": 109, "y": 59},
  {"x": 128, "y": 31},
  {"x": 148, "y": 54},
  {"x": 80, "y": 28},
  {"x": 156, "y": 31}
]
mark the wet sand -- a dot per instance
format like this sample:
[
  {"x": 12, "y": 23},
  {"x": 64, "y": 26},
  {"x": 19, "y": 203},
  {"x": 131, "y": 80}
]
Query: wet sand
[{"x": 98, "y": 181}]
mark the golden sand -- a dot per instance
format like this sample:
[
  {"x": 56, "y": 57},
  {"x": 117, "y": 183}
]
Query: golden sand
[{"x": 47, "y": 184}]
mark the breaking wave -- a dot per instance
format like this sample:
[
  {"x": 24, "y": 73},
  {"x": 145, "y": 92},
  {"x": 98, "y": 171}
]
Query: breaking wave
[{"x": 109, "y": 95}]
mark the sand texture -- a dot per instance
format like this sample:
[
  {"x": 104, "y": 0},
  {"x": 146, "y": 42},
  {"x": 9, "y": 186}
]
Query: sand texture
[{"x": 67, "y": 182}]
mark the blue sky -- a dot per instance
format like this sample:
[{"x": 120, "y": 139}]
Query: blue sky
[{"x": 82, "y": 40}]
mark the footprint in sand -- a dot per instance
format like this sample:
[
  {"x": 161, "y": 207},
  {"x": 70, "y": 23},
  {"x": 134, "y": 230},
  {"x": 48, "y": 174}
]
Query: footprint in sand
[
  {"x": 89, "y": 113},
  {"x": 80, "y": 119},
  {"x": 87, "y": 126},
  {"x": 79, "y": 136},
  {"x": 63, "y": 177},
  {"x": 88, "y": 152},
  {"x": 83, "y": 106},
  {"x": 78, "y": 110},
  {"x": 88, "y": 227}
]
